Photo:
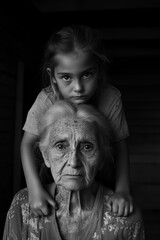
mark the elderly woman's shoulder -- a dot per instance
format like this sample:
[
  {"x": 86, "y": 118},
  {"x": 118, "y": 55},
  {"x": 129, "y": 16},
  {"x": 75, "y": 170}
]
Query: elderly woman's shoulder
[
  {"x": 135, "y": 216},
  {"x": 114, "y": 227},
  {"x": 112, "y": 224},
  {"x": 20, "y": 200},
  {"x": 21, "y": 195}
]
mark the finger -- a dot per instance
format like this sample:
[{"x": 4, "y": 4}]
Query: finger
[
  {"x": 109, "y": 205},
  {"x": 52, "y": 203},
  {"x": 120, "y": 210},
  {"x": 126, "y": 211},
  {"x": 37, "y": 213},
  {"x": 45, "y": 210},
  {"x": 115, "y": 207},
  {"x": 131, "y": 208}
]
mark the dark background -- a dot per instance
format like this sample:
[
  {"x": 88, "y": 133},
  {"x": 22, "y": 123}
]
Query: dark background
[{"x": 131, "y": 31}]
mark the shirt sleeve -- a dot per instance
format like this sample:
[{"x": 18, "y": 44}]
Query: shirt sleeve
[
  {"x": 113, "y": 109},
  {"x": 118, "y": 121},
  {"x": 41, "y": 104}
]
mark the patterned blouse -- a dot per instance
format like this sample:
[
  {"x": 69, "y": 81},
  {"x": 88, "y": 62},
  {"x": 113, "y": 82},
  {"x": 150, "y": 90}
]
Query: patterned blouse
[{"x": 21, "y": 224}]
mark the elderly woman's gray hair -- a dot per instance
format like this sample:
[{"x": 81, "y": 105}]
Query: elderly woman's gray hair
[{"x": 62, "y": 109}]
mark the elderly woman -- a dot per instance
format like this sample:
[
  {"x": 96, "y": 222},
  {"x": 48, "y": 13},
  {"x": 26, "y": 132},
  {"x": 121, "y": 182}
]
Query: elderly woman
[{"x": 72, "y": 140}]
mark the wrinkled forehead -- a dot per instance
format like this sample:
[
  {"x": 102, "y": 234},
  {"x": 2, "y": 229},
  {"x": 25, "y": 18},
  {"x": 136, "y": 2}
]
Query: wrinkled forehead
[{"x": 73, "y": 126}]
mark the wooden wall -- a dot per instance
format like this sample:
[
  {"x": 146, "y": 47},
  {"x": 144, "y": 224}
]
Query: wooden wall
[
  {"x": 132, "y": 40},
  {"x": 135, "y": 59},
  {"x": 8, "y": 100},
  {"x": 16, "y": 62}
]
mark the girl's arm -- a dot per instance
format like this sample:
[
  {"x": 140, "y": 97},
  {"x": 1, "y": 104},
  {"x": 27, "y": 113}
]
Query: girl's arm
[
  {"x": 38, "y": 197},
  {"x": 122, "y": 167},
  {"x": 121, "y": 202}
]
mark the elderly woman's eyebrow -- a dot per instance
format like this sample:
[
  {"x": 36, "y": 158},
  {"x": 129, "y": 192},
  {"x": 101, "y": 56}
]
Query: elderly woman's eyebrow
[
  {"x": 88, "y": 139},
  {"x": 60, "y": 140}
]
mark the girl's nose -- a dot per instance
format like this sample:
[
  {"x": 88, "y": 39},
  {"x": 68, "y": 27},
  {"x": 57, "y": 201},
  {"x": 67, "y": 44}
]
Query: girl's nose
[
  {"x": 74, "y": 160},
  {"x": 78, "y": 86}
]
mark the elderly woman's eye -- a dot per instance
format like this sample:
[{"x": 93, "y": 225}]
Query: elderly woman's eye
[{"x": 60, "y": 146}]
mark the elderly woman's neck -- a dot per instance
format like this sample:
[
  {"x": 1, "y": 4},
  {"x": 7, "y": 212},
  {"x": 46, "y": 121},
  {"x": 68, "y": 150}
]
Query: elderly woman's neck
[{"x": 76, "y": 201}]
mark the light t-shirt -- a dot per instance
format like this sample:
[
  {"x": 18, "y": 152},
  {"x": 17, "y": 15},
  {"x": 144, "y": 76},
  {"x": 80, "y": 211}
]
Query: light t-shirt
[{"x": 109, "y": 103}]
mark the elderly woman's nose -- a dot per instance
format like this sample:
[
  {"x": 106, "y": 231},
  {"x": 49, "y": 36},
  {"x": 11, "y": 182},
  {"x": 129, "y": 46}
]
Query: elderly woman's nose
[{"x": 74, "y": 160}]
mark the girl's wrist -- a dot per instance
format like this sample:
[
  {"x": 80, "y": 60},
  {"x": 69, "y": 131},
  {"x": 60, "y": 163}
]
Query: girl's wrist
[{"x": 122, "y": 190}]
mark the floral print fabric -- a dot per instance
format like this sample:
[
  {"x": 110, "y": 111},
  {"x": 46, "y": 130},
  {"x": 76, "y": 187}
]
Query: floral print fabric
[{"x": 21, "y": 224}]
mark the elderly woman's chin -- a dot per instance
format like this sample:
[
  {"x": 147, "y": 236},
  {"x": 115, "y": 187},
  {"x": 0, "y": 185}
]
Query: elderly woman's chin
[{"x": 74, "y": 183}]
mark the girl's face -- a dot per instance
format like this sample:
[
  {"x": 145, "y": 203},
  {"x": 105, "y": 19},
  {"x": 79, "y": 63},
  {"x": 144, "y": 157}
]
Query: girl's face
[{"x": 76, "y": 76}]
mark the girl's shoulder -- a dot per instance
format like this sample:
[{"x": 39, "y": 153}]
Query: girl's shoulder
[
  {"x": 46, "y": 94},
  {"x": 108, "y": 95},
  {"x": 109, "y": 92}
]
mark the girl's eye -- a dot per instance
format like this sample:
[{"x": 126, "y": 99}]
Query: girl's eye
[
  {"x": 66, "y": 78},
  {"x": 87, "y": 75}
]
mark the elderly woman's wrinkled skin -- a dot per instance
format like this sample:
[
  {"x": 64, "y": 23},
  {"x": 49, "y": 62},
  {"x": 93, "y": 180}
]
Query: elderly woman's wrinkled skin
[
  {"x": 73, "y": 157},
  {"x": 73, "y": 154}
]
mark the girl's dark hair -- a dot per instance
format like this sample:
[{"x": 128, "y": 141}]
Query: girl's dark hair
[{"x": 69, "y": 39}]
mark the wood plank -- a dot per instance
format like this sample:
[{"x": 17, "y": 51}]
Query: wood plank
[
  {"x": 18, "y": 127},
  {"x": 130, "y": 33},
  {"x": 132, "y": 79},
  {"x": 7, "y": 79},
  {"x": 135, "y": 52},
  {"x": 145, "y": 172},
  {"x": 7, "y": 66},
  {"x": 147, "y": 196},
  {"x": 6, "y": 138},
  {"x": 147, "y": 148},
  {"x": 152, "y": 231}
]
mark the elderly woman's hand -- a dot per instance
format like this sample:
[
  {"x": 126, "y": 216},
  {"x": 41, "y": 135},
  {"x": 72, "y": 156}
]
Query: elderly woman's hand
[
  {"x": 40, "y": 202},
  {"x": 120, "y": 204}
]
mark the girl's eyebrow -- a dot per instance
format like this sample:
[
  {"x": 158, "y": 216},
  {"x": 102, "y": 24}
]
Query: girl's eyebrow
[
  {"x": 63, "y": 73},
  {"x": 68, "y": 73},
  {"x": 88, "y": 69}
]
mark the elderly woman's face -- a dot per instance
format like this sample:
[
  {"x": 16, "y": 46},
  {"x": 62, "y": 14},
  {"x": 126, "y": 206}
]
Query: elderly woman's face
[{"x": 73, "y": 153}]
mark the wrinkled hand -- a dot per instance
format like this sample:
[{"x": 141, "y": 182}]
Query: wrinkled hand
[
  {"x": 41, "y": 202},
  {"x": 120, "y": 204}
]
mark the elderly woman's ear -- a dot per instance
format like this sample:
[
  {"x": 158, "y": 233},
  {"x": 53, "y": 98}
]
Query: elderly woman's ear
[{"x": 45, "y": 155}]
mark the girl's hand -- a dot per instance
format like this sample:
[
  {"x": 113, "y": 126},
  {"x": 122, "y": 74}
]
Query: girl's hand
[
  {"x": 120, "y": 204},
  {"x": 41, "y": 202}
]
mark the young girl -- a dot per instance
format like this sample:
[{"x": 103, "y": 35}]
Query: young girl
[{"x": 75, "y": 65}]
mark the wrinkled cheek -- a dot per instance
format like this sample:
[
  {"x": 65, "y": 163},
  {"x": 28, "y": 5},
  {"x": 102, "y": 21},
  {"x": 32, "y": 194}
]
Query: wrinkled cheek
[
  {"x": 57, "y": 166},
  {"x": 90, "y": 171},
  {"x": 56, "y": 174}
]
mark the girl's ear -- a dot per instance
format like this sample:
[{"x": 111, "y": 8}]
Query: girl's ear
[
  {"x": 50, "y": 75},
  {"x": 49, "y": 71}
]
